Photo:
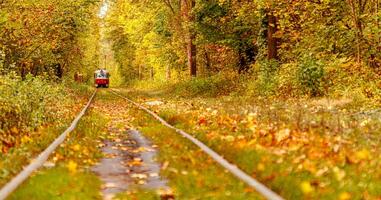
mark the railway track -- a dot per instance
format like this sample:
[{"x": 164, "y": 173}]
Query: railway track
[
  {"x": 259, "y": 187},
  {"x": 39, "y": 161}
]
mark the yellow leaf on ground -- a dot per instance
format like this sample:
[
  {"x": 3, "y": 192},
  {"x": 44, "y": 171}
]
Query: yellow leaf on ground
[
  {"x": 344, "y": 196},
  {"x": 306, "y": 187},
  {"x": 261, "y": 167},
  {"x": 25, "y": 139},
  {"x": 362, "y": 154},
  {"x": 76, "y": 147},
  {"x": 72, "y": 166},
  {"x": 282, "y": 135},
  {"x": 339, "y": 173}
]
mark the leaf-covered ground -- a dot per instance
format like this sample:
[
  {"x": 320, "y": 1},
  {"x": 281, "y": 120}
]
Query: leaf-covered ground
[
  {"x": 316, "y": 149},
  {"x": 191, "y": 174},
  {"x": 301, "y": 149}
]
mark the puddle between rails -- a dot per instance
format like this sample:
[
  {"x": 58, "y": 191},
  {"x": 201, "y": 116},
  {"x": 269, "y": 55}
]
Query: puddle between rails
[{"x": 129, "y": 163}]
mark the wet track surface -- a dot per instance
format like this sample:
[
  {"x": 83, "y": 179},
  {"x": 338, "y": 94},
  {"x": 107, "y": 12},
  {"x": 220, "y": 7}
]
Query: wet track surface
[{"x": 129, "y": 158}]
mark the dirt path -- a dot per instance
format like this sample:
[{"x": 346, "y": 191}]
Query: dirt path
[{"x": 129, "y": 161}]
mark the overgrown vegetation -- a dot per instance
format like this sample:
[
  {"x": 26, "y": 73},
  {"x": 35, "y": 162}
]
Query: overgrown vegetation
[
  {"x": 26, "y": 105},
  {"x": 67, "y": 174},
  {"x": 40, "y": 112}
]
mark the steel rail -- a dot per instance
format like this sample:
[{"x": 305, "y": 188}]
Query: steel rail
[
  {"x": 39, "y": 161},
  {"x": 259, "y": 187}
]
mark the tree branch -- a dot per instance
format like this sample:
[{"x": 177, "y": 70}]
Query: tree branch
[{"x": 169, "y": 5}]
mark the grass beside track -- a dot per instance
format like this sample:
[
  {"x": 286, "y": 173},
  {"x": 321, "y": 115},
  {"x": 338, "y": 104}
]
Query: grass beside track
[
  {"x": 34, "y": 142},
  {"x": 59, "y": 183},
  {"x": 69, "y": 175},
  {"x": 302, "y": 149},
  {"x": 192, "y": 174}
]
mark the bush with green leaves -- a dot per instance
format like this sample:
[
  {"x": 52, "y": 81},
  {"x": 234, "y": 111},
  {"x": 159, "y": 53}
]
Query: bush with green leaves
[
  {"x": 220, "y": 84},
  {"x": 26, "y": 105},
  {"x": 265, "y": 83},
  {"x": 311, "y": 76}
]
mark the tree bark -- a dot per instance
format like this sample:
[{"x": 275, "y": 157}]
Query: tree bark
[
  {"x": 140, "y": 72},
  {"x": 187, "y": 6},
  {"x": 272, "y": 42},
  {"x": 192, "y": 51},
  {"x": 168, "y": 73},
  {"x": 242, "y": 65},
  {"x": 151, "y": 73},
  {"x": 208, "y": 64},
  {"x": 357, "y": 10}
]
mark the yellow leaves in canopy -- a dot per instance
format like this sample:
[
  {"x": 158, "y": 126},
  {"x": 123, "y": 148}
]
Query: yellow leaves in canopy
[
  {"x": 221, "y": 2},
  {"x": 14, "y": 130}
]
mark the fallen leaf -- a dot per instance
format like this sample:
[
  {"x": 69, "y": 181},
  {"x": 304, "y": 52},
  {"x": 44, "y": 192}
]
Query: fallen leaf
[
  {"x": 72, "y": 166},
  {"x": 76, "y": 147},
  {"x": 109, "y": 185},
  {"x": 282, "y": 134},
  {"x": 362, "y": 154},
  {"x": 339, "y": 173},
  {"x": 344, "y": 196},
  {"x": 139, "y": 176},
  {"x": 306, "y": 187}
]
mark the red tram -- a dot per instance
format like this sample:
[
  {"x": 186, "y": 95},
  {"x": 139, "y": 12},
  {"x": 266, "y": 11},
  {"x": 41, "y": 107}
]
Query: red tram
[{"x": 101, "y": 78}]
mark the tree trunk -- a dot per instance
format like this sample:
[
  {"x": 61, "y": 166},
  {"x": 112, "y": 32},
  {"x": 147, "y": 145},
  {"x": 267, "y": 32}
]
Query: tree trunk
[
  {"x": 192, "y": 62},
  {"x": 208, "y": 64},
  {"x": 242, "y": 65},
  {"x": 140, "y": 72},
  {"x": 168, "y": 73},
  {"x": 272, "y": 42},
  {"x": 357, "y": 10},
  {"x": 187, "y": 6},
  {"x": 151, "y": 73}
]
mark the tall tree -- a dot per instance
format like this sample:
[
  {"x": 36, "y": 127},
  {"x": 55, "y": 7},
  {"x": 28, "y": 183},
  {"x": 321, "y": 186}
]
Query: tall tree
[
  {"x": 187, "y": 8},
  {"x": 272, "y": 41}
]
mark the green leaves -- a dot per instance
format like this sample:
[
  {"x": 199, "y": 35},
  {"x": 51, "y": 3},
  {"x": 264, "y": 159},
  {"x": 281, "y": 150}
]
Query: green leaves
[
  {"x": 26, "y": 105},
  {"x": 310, "y": 76}
]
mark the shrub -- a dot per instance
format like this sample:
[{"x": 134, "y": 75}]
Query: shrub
[
  {"x": 348, "y": 79},
  {"x": 26, "y": 105},
  {"x": 216, "y": 85},
  {"x": 266, "y": 80},
  {"x": 311, "y": 76},
  {"x": 288, "y": 81}
]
